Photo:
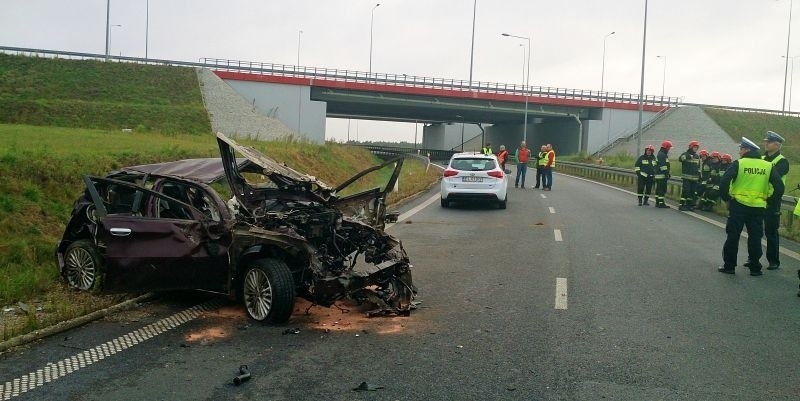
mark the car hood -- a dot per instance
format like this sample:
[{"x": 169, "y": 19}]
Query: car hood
[{"x": 366, "y": 206}]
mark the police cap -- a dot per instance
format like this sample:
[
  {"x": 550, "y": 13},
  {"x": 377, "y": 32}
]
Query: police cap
[
  {"x": 748, "y": 144},
  {"x": 773, "y": 137}
]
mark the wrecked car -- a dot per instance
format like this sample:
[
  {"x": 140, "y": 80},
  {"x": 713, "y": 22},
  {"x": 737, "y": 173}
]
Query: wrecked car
[{"x": 282, "y": 234}]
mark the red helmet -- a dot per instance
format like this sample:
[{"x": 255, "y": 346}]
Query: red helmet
[
  {"x": 727, "y": 158},
  {"x": 666, "y": 145},
  {"x": 715, "y": 154},
  {"x": 703, "y": 153},
  {"x": 650, "y": 148},
  {"x": 694, "y": 143}
]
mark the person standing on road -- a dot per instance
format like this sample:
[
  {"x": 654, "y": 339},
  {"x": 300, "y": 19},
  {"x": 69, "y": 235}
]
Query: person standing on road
[
  {"x": 690, "y": 175},
  {"x": 662, "y": 173},
  {"x": 523, "y": 154},
  {"x": 541, "y": 160},
  {"x": 645, "y": 169},
  {"x": 772, "y": 218},
  {"x": 547, "y": 173},
  {"x": 487, "y": 149},
  {"x": 746, "y": 188},
  {"x": 712, "y": 184},
  {"x": 502, "y": 157},
  {"x": 702, "y": 183}
]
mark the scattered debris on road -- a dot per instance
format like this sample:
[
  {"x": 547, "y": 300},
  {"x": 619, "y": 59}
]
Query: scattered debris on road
[
  {"x": 291, "y": 331},
  {"x": 364, "y": 386},
  {"x": 244, "y": 375}
]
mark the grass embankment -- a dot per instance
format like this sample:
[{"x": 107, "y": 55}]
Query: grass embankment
[
  {"x": 41, "y": 171},
  {"x": 103, "y": 95}
]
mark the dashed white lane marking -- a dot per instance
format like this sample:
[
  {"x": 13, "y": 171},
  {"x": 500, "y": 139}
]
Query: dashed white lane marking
[
  {"x": 57, "y": 370},
  {"x": 792, "y": 254},
  {"x": 561, "y": 293},
  {"x": 543, "y": 196},
  {"x": 557, "y": 233},
  {"x": 552, "y": 210}
]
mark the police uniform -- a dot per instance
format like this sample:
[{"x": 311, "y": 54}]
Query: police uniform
[
  {"x": 772, "y": 217},
  {"x": 662, "y": 173},
  {"x": 690, "y": 177},
  {"x": 746, "y": 188},
  {"x": 645, "y": 169},
  {"x": 541, "y": 161},
  {"x": 487, "y": 150}
]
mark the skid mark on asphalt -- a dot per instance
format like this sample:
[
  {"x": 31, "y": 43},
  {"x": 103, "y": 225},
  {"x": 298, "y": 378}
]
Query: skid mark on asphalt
[
  {"x": 557, "y": 234},
  {"x": 561, "y": 293},
  {"x": 57, "y": 370}
]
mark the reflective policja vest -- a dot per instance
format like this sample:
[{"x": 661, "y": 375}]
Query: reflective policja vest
[
  {"x": 542, "y": 159},
  {"x": 774, "y": 162},
  {"x": 751, "y": 186}
]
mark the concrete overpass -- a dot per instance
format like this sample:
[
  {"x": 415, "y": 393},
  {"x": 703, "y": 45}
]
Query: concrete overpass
[{"x": 571, "y": 119}]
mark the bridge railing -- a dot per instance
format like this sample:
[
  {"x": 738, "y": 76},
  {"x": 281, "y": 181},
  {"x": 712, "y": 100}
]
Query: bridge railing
[
  {"x": 628, "y": 177},
  {"x": 415, "y": 81},
  {"x": 432, "y": 154}
]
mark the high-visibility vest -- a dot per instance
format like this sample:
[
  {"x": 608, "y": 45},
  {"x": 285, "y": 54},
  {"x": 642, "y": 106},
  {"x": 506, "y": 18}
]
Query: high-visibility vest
[
  {"x": 487, "y": 151},
  {"x": 751, "y": 186},
  {"x": 542, "y": 159},
  {"x": 524, "y": 155},
  {"x": 548, "y": 157}
]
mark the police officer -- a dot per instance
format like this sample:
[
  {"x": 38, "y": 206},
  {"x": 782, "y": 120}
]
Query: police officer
[
  {"x": 690, "y": 175},
  {"x": 746, "y": 188},
  {"x": 645, "y": 169},
  {"x": 541, "y": 161},
  {"x": 487, "y": 150},
  {"x": 662, "y": 173},
  {"x": 772, "y": 219}
]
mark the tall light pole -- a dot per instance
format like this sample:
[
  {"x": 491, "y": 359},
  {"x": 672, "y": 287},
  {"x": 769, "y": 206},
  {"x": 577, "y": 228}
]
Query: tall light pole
[
  {"x": 527, "y": 86},
  {"x": 108, "y": 27},
  {"x": 299, "y": 32},
  {"x": 146, "y": 28},
  {"x": 664, "y": 75},
  {"x": 786, "y": 67},
  {"x": 472, "y": 47},
  {"x": 299, "y": 87},
  {"x": 603, "y": 69},
  {"x": 371, "y": 23},
  {"x": 462, "y": 131},
  {"x": 641, "y": 85},
  {"x": 524, "y": 57},
  {"x": 791, "y": 80}
]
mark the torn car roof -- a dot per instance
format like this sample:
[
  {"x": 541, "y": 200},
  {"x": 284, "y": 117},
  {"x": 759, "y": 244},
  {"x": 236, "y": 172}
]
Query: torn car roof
[{"x": 207, "y": 170}]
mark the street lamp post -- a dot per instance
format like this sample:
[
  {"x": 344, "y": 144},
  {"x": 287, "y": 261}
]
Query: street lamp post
[
  {"x": 108, "y": 27},
  {"x": 527, "y": 84},
  {"x": 462, "y": 131},
  {"x": 663, "y": 76},
  {"x": 371, "y": 23},
  {"x": 603, "y": 69},
  {"x": 786, "y": 67},
  {"x": 299, "y": 87},
  {"x": 146, "y": 28},
  {"x": 641, "y": 84},
  {"x": 791, "y": 80},
  {"x": 472, "y": 47}
]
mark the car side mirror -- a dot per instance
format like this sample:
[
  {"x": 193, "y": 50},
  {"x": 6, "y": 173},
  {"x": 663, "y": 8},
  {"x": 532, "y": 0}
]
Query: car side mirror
[{"x": 392, "y": 217}]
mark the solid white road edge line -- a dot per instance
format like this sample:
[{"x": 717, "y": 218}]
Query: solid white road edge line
[
  {"x": 552, "y": 210},
  {"x": 788, "y": 252},
  {"x": 557, "y": 233},
  {"x": 561, "y": 293},
  {"x": 416, "y": 210}
]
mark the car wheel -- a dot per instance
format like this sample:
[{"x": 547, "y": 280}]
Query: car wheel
[
  {"x": 502, "y": 203},
  {"x": 445, "y": 202},
  {"x": 83, "y": 267},
  {"x": 268, "y": 290}
]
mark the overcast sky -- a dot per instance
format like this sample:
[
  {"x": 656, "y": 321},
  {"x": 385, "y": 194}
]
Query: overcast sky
[{"x": 717, "y": 51}]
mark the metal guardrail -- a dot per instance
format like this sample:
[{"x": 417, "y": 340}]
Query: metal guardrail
[
  {"x": 432, "y": 154},
  {"x": 628, "y": 176}
]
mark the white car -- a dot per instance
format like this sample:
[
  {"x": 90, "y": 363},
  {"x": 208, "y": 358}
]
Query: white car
[{"x": 474, "y": 176}]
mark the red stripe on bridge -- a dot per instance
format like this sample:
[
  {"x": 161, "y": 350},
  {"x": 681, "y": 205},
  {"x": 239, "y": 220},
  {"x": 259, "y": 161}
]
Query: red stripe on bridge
[{"x": 413, "y": 90}]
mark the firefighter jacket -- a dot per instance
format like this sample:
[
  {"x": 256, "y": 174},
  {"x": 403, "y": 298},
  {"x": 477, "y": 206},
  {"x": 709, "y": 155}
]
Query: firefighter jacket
[
  {"x": 645, "y": 166},
  {"x": 714, "y": 173},
  {"x": 662, "y": 165},
  {"x": 690, "y": 165},
  {"x": 705, "y": 170}
]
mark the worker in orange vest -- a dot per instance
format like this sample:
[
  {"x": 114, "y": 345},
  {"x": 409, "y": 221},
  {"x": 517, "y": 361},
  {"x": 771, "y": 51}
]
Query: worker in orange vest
[{"x": 523, "y": 154}]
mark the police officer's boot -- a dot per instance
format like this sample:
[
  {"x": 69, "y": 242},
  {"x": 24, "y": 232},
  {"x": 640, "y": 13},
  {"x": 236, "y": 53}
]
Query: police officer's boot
[{"x": 646, "y": 203}]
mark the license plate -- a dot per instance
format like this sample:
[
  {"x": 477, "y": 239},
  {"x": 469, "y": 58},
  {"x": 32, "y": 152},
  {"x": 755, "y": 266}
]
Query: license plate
[{"x": 472, "y": 179}]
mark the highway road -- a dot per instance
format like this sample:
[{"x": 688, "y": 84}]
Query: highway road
[{"x": 574, "y": 294}]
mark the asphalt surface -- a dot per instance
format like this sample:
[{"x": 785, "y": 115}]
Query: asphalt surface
[{"x": 640, "y": 314}]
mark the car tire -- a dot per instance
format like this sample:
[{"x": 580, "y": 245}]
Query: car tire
[
  {"x": 502, "y": 204},
  {"x": 268, "y": 290},
  {"x": 445, "y": 203},
  {"x": 83, "y": 266}
]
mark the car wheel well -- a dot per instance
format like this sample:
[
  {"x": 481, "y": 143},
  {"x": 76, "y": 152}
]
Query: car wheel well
[{"x": 294, "y": 262}]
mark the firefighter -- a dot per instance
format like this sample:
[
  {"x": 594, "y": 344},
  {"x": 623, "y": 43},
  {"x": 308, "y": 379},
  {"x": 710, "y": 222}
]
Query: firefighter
[
  {"x": 645, "y": 169},
  {"x": 705, "y": 172},
  {"x": 772, "y": 219},
  {"x": 746, "y": 188},
  {"x": 724, "y": 163},
  {"x": 690, "y": 175},
  {"x": 662, "y": 173},
  {"x": 712, "y": 185}
]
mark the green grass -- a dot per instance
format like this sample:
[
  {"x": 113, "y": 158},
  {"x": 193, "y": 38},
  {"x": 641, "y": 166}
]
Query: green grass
[
  {"x": 755, "y": 125},
  {"x": 97, "y": 94}
]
